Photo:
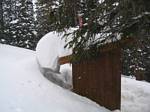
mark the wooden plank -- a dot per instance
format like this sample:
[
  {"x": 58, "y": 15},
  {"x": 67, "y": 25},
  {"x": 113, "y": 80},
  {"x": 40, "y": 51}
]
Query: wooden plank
[{"x": 65, "y": 59}]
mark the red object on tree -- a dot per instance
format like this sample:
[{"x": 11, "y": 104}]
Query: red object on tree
[{"x": 80, "y": 21}]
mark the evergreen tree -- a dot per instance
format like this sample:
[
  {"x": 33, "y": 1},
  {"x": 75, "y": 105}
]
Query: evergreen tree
[
  {"x": 137, "y": 22},
  {"x": 147, "y": 61},
  {"x": 1, "y": 20},
  {"x": 3, "y": 35},
  {"x": 105, "y": 20},
  {"x": 9, "y": 16},
  {"x": 23, "y": 26},
  {"x": 19, "y": 23},
  {"x": 42, "y": 15}
]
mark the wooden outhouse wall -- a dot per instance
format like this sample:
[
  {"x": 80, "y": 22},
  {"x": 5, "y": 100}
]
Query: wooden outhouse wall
[{"x": 100, "y": 79}]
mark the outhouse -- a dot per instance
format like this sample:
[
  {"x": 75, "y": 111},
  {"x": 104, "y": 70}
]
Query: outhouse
[{"x": 100, "y": 78}]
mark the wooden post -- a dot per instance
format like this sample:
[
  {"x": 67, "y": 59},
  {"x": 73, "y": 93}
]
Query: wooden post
[{"x": 139, "y": 75}]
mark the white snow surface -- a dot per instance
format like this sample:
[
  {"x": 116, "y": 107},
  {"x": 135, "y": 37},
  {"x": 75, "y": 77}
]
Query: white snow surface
[
  {"x": 24, "y": 89},
  {"x": 135, "y": 96},
  {"x": 50, "y": 48}
]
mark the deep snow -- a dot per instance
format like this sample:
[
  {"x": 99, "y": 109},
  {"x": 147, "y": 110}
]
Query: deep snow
[
  {"x": 24, "y": 89},
  {"x": 50, "y": 48},
  {"x": 135, "y": 95}
]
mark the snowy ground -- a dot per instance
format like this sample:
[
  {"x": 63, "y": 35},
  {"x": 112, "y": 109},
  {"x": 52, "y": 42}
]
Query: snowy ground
[
  {"x": 135, "y": 95},
  {"x": 24, "y": 89}
]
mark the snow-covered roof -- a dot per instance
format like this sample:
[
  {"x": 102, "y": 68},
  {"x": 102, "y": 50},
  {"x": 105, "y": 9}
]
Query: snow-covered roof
[{"x": 50, "y": 48}]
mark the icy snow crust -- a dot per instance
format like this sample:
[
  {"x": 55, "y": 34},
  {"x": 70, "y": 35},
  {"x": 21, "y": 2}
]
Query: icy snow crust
[{"x": 24, "y": 89}]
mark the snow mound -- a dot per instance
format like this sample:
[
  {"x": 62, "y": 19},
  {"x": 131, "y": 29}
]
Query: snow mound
[
  {"x": 49, "y": 49},
  {"x": 24, "y": 89},
  {"x": 135, "y": 96}
]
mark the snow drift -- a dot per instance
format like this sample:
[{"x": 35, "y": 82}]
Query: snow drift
[
  {"x": 135, "y": 96},
  {"x": 24, "y": 89},
  {"x": 49, "y": 49}
]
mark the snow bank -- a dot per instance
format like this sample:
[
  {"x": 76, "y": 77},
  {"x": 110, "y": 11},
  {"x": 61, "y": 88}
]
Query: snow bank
[
  {"x": 24, "y": 89},
  {"x": 135, "y": 96},
  {"x": 49, "y": 49}
]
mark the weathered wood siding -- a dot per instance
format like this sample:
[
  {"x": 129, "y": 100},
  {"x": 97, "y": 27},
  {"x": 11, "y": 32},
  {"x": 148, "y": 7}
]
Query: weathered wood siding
[{"x": 100, "y": 79}]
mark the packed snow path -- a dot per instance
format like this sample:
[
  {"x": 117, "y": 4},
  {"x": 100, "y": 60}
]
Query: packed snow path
[{"x": 24, "y": 89}]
